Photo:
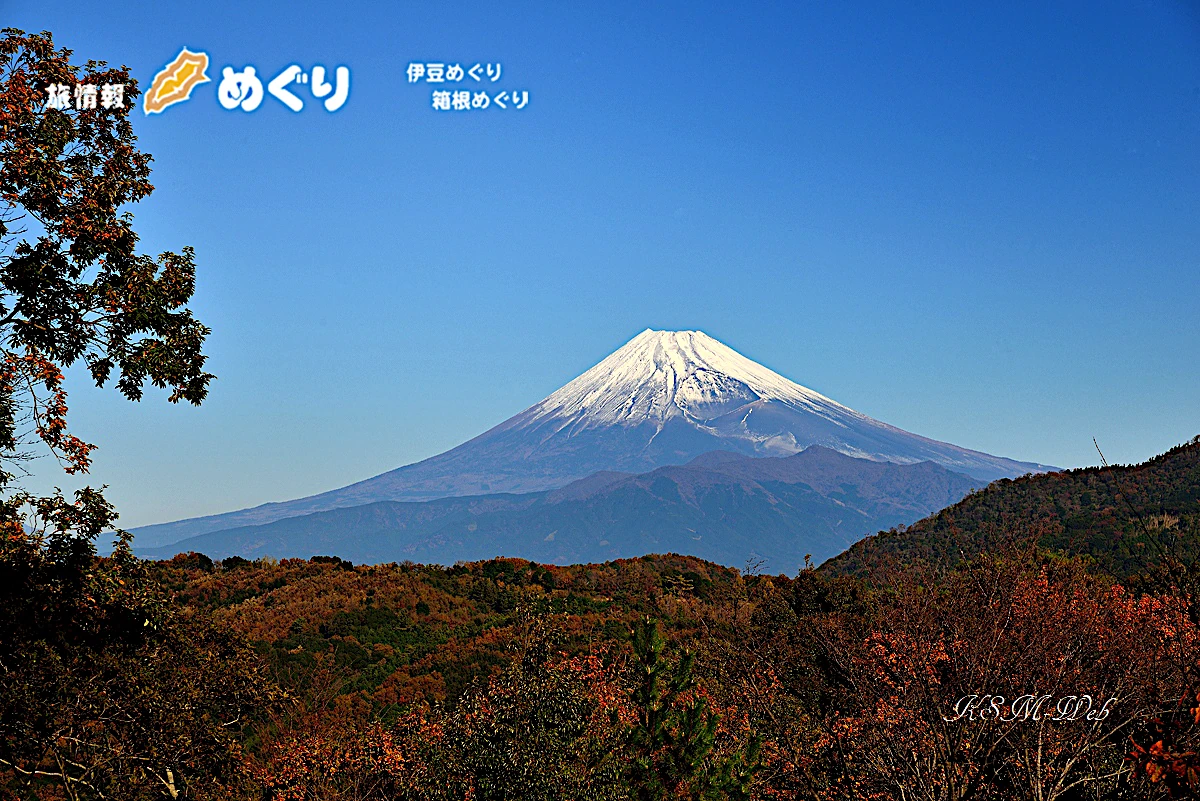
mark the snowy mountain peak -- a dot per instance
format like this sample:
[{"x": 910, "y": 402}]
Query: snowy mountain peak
[
  {"x": 660, "y": 375},
  {"x": 663, "y": 398}
]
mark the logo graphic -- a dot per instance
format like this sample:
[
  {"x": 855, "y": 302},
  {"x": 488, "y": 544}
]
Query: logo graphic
[
  {"x": 175, "y": 82},
  {"x": 240, "y": 89}
]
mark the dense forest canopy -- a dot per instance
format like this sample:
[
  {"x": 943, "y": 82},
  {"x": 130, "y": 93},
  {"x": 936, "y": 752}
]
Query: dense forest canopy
[
  {"x": 1126, "y": 518},
  {"x": 813, "y": 686}
]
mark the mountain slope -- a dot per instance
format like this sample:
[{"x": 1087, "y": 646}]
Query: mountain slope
[
  {"x": 663, "y": 398},
  {"x": 1101, "y": 512},
  {"x": 724, "y": 507}
]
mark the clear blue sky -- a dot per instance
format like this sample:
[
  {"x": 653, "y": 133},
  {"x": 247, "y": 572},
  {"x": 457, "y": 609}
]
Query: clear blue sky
[{"x": 979, "y": 222}]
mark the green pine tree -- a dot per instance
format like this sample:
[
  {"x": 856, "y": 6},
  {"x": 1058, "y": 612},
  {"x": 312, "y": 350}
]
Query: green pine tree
[{"x": 674, "y": 734}]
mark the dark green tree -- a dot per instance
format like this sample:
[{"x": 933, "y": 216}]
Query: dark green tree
[{"x": 671, "y": 741}]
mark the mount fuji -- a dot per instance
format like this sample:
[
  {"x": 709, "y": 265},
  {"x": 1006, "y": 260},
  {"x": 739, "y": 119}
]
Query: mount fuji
[{"x": 662, "y": 399}]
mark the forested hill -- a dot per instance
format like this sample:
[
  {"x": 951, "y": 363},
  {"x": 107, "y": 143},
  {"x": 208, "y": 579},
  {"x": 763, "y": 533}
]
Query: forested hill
[{"x": 1121, "y": 515}]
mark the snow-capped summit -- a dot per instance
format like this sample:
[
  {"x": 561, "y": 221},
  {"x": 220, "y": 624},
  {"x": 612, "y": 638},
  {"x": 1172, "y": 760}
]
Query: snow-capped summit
[
  {"x": 667, "y": 396},
  {"x": 659, "y": 375},
  {"x": 663, "y": 398}
]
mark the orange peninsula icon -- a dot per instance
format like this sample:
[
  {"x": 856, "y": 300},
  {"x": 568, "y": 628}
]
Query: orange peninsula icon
[{"x": 174, "y": 83}]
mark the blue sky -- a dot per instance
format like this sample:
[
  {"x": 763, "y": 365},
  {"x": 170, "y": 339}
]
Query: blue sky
[{"x": 978, "y": 224}]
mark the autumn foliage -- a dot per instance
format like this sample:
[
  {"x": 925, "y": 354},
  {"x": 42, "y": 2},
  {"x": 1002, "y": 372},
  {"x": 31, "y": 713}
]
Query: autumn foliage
[
  {"x": 106, "y": 688},
  {"x": 507, "y": 679}
]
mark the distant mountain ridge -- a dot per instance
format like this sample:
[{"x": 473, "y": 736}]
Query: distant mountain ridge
[
  {"x": 725, "y": 507},
  {"x": 1101, "y": 512},
  {"x": 662, "y": 399}
]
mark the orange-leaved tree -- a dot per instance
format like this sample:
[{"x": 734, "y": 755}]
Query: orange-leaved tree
[
  {"x": 105, "y": 690},
  {"x": 1004, "y": 634}
]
